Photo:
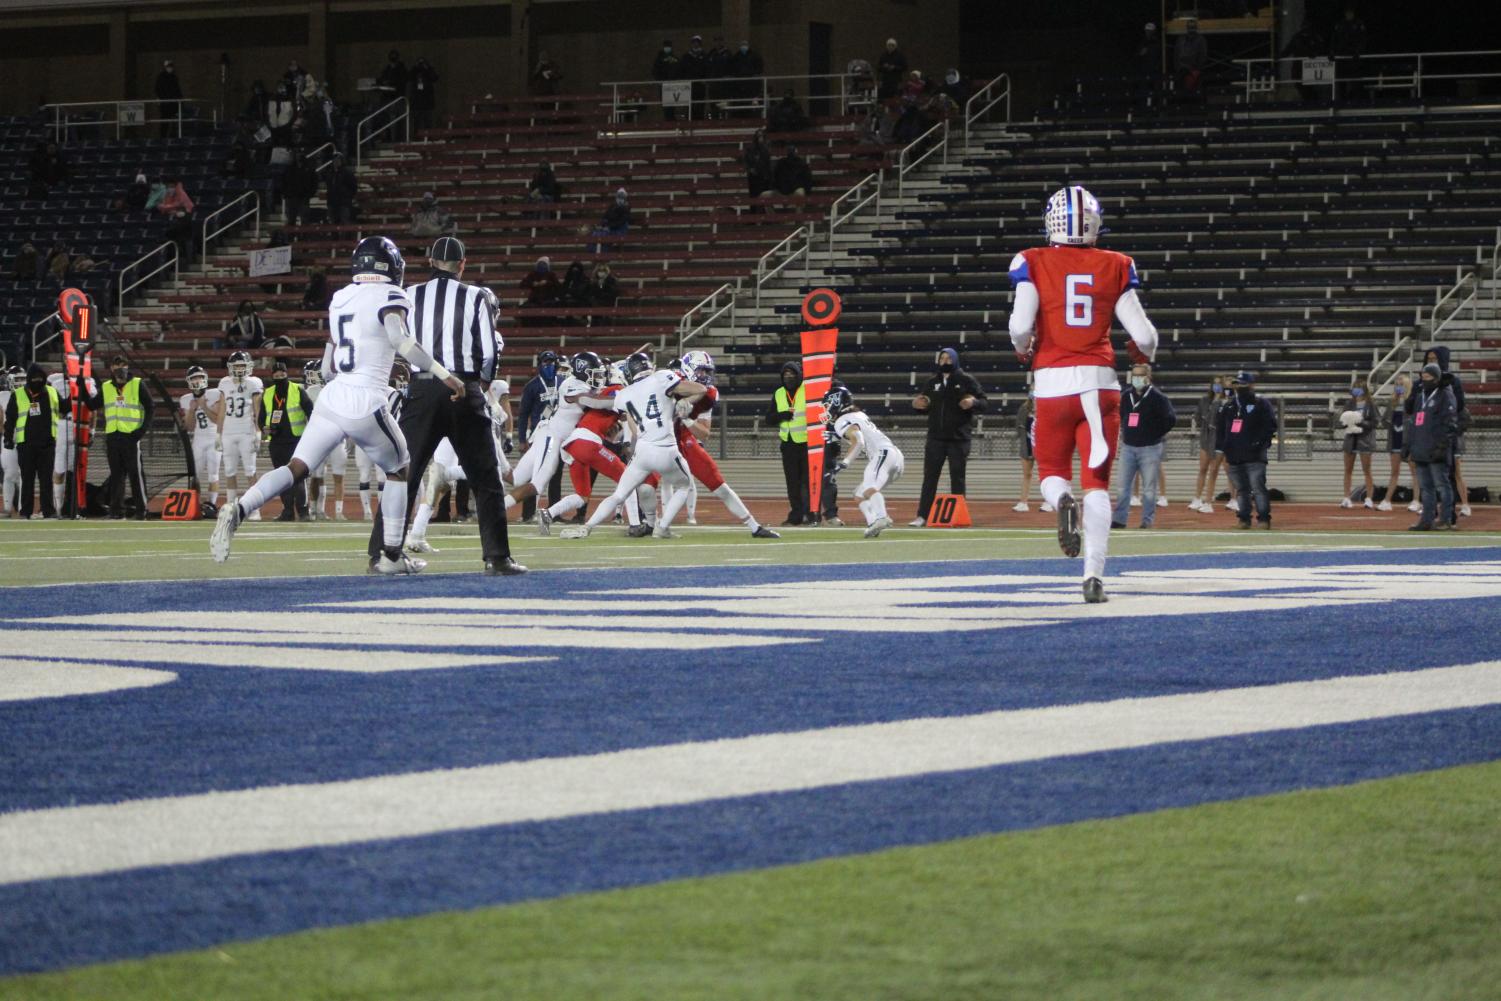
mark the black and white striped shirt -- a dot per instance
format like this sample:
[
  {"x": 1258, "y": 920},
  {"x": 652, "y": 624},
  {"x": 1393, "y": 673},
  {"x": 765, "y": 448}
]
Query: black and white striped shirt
[{"x": 451, "y": 320}]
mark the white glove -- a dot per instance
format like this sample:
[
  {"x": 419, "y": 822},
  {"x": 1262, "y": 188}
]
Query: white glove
[{"x": 684, "y": 409}]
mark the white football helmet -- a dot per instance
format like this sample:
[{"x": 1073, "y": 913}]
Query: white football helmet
[
  {"x": 239, "y": 365},
  {"x": 699, "y": 366},
  {"x": 1073, "y": 217},
  {"x": 312, "y": 374},
  {"x": 197, "y": 380}
]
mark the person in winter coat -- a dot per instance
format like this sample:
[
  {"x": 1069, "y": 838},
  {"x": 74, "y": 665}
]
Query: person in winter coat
[
  {"x": 1439, "y": 355},
  {"x": 951, "y": 399},
  {"x": 1247, "y": 427},
  {"x": 757, "y": 161},
  {"x": 1428, "y": 442},
  {"x": 1358, "y": 423},
  {"x": 789, "y": 415},
  {"x": 1207, "y": 417},
  {"x": 1146, "y": 418},
  {"x": 891, "y": 68}
]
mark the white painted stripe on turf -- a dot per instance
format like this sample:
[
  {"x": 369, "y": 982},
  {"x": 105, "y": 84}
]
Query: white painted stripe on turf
[
  {"x": 89, "y": 840},
  {"x": 23, "y": 679}
]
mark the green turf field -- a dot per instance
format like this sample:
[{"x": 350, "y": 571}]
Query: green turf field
[
  {"x": 1384, "y": 890},
  {"x": 55, "y": 552}
]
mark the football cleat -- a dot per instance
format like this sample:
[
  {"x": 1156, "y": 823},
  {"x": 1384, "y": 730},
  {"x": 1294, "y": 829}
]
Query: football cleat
[
  {"x": 574, "y": 532},
  {"x": 1045, "y": 508},
  {"x": 544, "y": 522},
  {"x": 663, "y": 532},
  {"x": 224, "y": 532},
  {"x": 1068, "y": 526},
  {"x": 420, "y": 546},
  {"x": 762, "y": 532},
  {"x": 640, "y": 531},
  {"x": 1094, "y": 591},
  {"x": 877, "y": 527},
  {"x": 404, "y": 565}
]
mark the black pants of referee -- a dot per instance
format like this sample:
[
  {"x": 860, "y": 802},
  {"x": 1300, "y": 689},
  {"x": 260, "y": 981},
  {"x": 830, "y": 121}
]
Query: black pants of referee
[
  {"x": 429, "y": 416},
  {"x": 35, "y": 458},
  {"x": 935, "y": 453},
  {"x": 124, "y": 453}
]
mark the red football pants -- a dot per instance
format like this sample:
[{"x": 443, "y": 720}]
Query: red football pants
[
  {"x": 700, "y": 463},
  {"x": 588, "y": 455},
  {"x": 1062, "y": 429}
]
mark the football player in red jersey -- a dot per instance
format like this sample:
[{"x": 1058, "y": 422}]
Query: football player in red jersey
[
  {"x": 1067, "y": 294},
  {"x": 693, "y": 419},
  {"x": 586, "y": 447}
]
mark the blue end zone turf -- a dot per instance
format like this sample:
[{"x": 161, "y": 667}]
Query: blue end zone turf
[{"x": 218, "y": 728}]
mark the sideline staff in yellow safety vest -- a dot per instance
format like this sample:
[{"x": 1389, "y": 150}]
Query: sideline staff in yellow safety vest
[
  {"x": 31, "y": 429},
  {"x": 789, "y": 412},
  {"x": 127, "y": 410},
  {"x": 285, "y": 408}
]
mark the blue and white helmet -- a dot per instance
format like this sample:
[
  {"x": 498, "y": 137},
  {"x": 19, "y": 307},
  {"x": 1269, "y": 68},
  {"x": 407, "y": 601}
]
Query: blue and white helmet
[
  {"x": 699, "y": 366},
  {"x": 1073, "y": 217}
]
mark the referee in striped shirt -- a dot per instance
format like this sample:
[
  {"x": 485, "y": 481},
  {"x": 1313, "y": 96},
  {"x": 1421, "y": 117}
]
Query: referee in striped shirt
[{"x": 453, "y": 322}]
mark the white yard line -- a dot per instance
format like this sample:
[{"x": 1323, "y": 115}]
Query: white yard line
[{"x": 90, "y": 840}]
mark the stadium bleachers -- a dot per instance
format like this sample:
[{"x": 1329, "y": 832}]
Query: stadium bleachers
[{"x": 1299, "y": 242}]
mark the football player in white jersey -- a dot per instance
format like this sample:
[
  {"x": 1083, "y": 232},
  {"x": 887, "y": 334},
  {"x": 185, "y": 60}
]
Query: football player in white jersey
[
  {"x": 883, "y": 462},
  {"x": 649, "y": 400},
  {"x": 63, "y": 459},
  {"x": 200, "y": 410},
  {"x": 239, "y": 425},
  {"x": 443, "y": 471},
  {"x": 498, "y": 397},
  {"x": 10, "y": 461},
  {"x": 367, "y": 329},
  {"x": 537, "y": 467}
]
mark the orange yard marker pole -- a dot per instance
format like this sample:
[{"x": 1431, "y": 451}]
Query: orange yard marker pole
[{"x": 820, "y": 345}]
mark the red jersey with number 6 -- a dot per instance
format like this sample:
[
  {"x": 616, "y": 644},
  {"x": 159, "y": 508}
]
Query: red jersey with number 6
[{"x": 1077, "y": 288}]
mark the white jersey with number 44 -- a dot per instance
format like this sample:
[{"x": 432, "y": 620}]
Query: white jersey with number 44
[
  {"x": 239, "y": 404},
  {"x": 649, "y": 404},
  {"x": 359, "y": 353}
]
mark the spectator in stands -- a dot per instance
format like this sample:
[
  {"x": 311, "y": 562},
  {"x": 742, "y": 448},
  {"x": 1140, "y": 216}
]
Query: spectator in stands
[
  {"x": 792, "y": 175},
  {"x": 787, "y": 115},
  {"x": 1347, "y": 44},
  {"x": 1191, "y": 58},
  {"x": 168, "y": 90},
  {"x": 48, "y": 166},
  {"x": 244, "y": 330},
  {"x": 298, "y": 186},
  {"x": 790, "y": 415},
  {"x": 1428, "y": 441},
  {"x": 914, "y": 87},
  {"x": 667, "y": 66},
  {"x": 159, "y": 191},
  {"x": 1146, "y": 417},
  {"x": 82, "y": 263},
  {"x": 323, "y": 116},
  {"x": 391, "y": 82},
  {"x": 138, "y": 193},
  {"x": 1148, "y": 59},
  {"x": 1247, "y": 427},
  {"x": 316, "y": 295},
  {"x": 280, "y": 111},
  {"x": 695, "y": 66},
  {"x": 255, "y": 108},
  {"x": 757, "y": 160},
  {"x": 575, "y": 285},
  {"x": 343, "y": 188},
  {"x": 544, "y": 186},
  {"x": 604, "y": 290},
  {"x": 424, "y": 98},
  {"x": 746, "y": 63},
  {"x": 616, "y": 221},
  {"x": 27, "y": 263},
  {"x": 882, "y": 123},
  {"x": 1396, "y": 425},
  {"x": 432, "y": 219},
  {"x": 1358, "y": 423},
  {"x": 177, "y": 207},
  {"x": 547, "y": 76},
  {"x": 1206, "y": 416},
  {"x": 58, "y": 260},
  {"x": 542, "y": 289},
  {"x": 951, "y": 399},
  {"x": 955, "y": 88},
  {"x": 891, "y": 67}
]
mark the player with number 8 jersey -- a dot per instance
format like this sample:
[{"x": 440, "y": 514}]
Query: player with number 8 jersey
[{"x": 1068, "y": 294}]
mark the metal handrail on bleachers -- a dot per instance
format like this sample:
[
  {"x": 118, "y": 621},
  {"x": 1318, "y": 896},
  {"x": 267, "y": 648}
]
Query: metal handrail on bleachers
[
  {"x": 125, "y": 114},
  {"x": 798, "y": 243},
  {"x": 139, "y": 262},
  {"x": 36, "y": 345},
  {"x": 726, "y": 87},
  {"x": 972, "y": 117},
  {"x": 715, "y": 309},
  {"x": 914, "y": 155},
  {"x": 1409, "y": 76},
  {"x": 361, "y": 138},
  {"x": 254, "y": 211}
]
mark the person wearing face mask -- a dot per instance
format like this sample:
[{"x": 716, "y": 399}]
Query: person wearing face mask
[
  {"x": 891, "y": 67},
  {"x": 285, "y": 408},
  {"x": 951, "y": 399},
  {"x": 667, "y": 66},
  {"x": 1206, "y": 416},
  {"x": 168, "y": 90},
  {"x": 1439, "y": 355},
  {"x": 1358, "y": 422},
  {"x": 1435, "y": 422},
  {"x": 1227, "y": 401},
  {"x": 127, "y": 410},
  {"x": 1396, "y": 422},
  {"x": 31, "y": 417},
  {"x": 789, "y": 412},
  {"x": 1146, "y": 418},
  {"x": 1247, "y": 427},
  {"x": 745, "y": 65}
]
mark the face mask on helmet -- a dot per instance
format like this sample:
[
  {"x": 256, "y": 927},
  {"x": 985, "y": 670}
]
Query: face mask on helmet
[{"x": 1073, "y": 217}]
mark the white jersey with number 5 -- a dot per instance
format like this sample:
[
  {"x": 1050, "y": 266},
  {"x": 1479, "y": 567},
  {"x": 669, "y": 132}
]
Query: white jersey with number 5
[
  {"x": 649, "y": 404},
  {"x": 360, "y": 353},
  {"x": 239, "y": 404}
]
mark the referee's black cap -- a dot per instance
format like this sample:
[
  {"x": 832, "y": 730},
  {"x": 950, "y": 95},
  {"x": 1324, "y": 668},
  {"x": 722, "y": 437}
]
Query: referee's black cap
[{"x": 448, "y": 249}]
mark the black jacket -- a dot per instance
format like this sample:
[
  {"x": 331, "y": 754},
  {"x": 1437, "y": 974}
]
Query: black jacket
[
  {"x": 1154, "y": 414},
  {"x": 1429, "y": 440},
  {"x": 1246, "y": 430},
  {"x": 1449, "y": 381},
  {"x": 947, "y": 421}
]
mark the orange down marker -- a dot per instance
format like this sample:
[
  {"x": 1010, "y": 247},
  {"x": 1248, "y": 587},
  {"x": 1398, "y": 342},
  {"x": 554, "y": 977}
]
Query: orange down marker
[{"x": 820, "y": 312}]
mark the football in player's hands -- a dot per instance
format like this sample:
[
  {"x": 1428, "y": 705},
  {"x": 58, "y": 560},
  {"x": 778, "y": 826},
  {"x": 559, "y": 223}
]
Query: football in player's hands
[{"x": 684, "y": 409}]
